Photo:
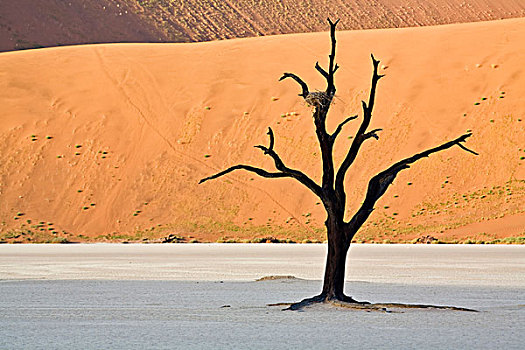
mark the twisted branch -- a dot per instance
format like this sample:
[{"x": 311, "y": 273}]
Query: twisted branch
[
  {"x": 380, "y": 182},
  {"x": 299, "y": 81},
  {"x": 340, "y": 127},
  {"x": 284, "y": 171},
  {"x": 258, "y": 171}
]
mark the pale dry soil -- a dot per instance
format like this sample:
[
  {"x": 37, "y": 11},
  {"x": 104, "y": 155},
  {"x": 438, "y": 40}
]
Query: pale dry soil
[{"x": 206, "y": 296}]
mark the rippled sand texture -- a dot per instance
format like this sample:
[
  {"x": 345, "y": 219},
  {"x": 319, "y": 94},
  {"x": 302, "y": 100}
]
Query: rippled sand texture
[{"x": 36, "y": 23}]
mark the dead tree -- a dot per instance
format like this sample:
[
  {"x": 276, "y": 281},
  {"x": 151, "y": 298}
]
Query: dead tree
[{"x": 331, "y": 190}]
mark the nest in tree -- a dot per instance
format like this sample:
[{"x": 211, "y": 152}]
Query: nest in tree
[{"x": 317, "y": 99}]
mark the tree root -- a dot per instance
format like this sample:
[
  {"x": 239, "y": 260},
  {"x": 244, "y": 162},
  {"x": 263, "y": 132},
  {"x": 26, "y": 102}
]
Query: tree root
[{"x": 350, "y": 303}]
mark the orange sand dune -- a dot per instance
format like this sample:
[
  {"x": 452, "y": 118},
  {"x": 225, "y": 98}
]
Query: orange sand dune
[
  {"x": 44, "y": 23},
  {"x": 109, "y": 141}
]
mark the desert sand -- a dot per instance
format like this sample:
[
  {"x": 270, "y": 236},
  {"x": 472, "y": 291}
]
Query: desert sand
[
  {"x": 42, "y": 23},
  {"x": 108, "y": 142}
]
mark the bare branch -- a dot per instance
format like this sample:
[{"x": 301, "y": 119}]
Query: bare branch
[
  {"x": 361, "y": 134},
  {"x": 368, "y": 107},
  {"x": 380, "y": 183},
  {"x": 373, "y": 134},
  {"x": 332, "y": 24},
  {"x": 321, "y": 70},
  {"x": 258, "y": 171},
  {"x": 296, "y": 174},
  {"x": 332, "y": 67},
  {"x": 468, "y": 150},
  {"x": 299, "y": 81},
  {"x": 340, "y": 127},
  {"x": 272, "y": 140},
  {"x": 284, "y": 171}
]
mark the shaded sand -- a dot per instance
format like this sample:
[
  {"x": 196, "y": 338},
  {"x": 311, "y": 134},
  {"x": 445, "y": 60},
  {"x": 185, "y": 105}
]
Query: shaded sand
[
  {"x": 108, "y": 142},
  {"x": 36, "y": 23},
  {"x": 117, "y": 311},
  {"x": 408, "y": 264}
]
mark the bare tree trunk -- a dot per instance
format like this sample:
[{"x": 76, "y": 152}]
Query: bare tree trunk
[{"x": 334, "y": 275}]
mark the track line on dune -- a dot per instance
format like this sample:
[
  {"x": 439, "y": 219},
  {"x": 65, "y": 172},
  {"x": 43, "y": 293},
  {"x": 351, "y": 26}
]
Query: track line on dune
[
  {"x": 142, "y": 115},
  {"x": 172, "y": 146}
]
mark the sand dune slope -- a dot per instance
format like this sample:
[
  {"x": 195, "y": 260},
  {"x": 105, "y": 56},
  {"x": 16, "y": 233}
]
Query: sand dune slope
[{"x": 109, "y": 141}]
